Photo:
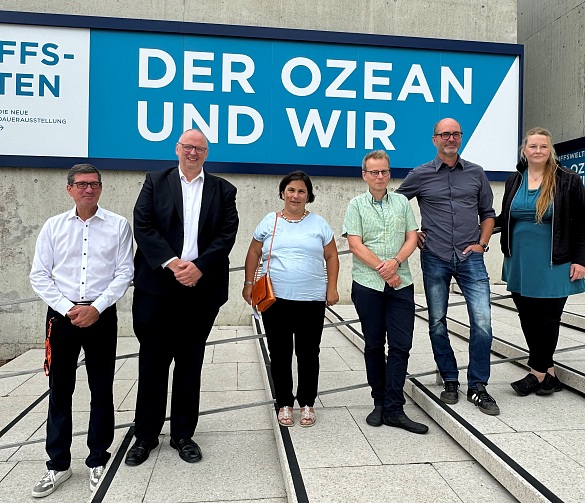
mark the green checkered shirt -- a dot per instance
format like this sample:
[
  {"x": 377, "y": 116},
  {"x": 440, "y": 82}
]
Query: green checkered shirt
[{"x": 382, "y": 228}]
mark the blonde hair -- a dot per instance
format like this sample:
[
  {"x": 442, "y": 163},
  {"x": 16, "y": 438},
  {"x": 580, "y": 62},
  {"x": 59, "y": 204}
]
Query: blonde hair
[{"x": 548, "y": 186}]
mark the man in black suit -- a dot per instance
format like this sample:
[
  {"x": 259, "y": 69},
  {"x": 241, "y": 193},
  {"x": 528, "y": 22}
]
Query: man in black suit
[{"x": 185, "y": 224}]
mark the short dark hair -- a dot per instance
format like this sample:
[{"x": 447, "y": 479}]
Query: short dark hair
[
  {"x": 79, "y": 169},
  {"x": 297, "y": 175}
]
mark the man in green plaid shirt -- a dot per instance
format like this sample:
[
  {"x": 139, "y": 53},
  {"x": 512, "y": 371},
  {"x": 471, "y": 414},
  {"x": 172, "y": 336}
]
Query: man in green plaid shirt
[{"x": 381, "y": 230}]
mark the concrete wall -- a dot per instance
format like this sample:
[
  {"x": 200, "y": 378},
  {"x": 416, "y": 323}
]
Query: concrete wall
[
  {"x": 29, "y": 196},
  {"x": 553, "y": 32}
]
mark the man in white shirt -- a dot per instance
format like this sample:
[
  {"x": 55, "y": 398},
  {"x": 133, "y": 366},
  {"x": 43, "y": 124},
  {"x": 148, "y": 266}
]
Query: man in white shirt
[
  {"x": 83, "y": 264},
  {"x": 185, "y": 224}
]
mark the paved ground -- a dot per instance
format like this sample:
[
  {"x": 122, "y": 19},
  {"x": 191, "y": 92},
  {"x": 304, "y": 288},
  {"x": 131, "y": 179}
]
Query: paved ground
[{"x": 247, "y": 457}]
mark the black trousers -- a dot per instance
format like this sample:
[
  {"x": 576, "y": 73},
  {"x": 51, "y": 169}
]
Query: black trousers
[
  {"x": 170, "y": 328},
  {"x": 298, "y": 323},
  {"x": 386, "y": 317},
  {"x": 99, "y": 344},
  {"x": 540, "y": 320}
]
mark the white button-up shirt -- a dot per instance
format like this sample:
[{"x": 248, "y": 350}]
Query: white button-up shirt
[
  {"x": 192, "y": 194},
  {"x": 83, "y": 261}
]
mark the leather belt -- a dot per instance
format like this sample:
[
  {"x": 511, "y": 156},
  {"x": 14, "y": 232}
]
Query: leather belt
[{"x": 84, "y": 303}]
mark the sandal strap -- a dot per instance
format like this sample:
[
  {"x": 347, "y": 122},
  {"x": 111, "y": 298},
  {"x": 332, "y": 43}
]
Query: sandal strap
[
  {"x": 285, "y": 416},
  {"x": 307, "y": 414}
]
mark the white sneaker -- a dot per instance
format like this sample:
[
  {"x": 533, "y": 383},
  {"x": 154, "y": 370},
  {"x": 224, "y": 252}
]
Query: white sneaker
[
  {"x": 50, "y": 481},
  {"x": 95, "y": 474}
]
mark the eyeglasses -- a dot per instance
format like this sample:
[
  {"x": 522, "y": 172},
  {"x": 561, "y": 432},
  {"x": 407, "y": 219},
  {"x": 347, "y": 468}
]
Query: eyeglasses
[
  {"x": 446, "y": 135},
  {"x": 187, "y": 148},
  {"x": 83, "y": 185},
  {"x": 375, "y": 172}
]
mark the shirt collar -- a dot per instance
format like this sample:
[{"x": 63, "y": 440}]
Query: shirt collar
[
  {"x": 372, "y": 199},
  {"x": 184, "y": 178},
  {"x": 73, "y": 213},
  {"x": 438, "y": 163}
]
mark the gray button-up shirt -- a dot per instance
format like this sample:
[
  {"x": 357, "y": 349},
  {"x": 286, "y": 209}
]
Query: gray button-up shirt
[{"x": 452, "y": 202}]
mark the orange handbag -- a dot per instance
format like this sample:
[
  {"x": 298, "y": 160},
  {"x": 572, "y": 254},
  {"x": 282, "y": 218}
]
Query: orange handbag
[{"x": 262, "y": 292}]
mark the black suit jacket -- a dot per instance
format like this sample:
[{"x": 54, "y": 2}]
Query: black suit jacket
[{"x": 159, "y": 232}]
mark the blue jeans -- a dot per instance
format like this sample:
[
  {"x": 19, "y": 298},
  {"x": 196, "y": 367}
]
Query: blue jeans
[
  {"x": 386, "y": 315},
  {"x": 472, "y": 278}
]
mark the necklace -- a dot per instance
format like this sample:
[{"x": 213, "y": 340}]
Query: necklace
[
  {"x": 535, "y": 177},
  {"x": 294, "y": 221}
]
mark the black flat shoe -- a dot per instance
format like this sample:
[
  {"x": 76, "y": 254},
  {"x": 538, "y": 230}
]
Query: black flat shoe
[
  {"x": 549, "y": 385},
  {"x": 188, "y": 450},
  {"x": 526, "y": 385},
  {"x": 402, "y": 421},
  {"x": 139, "y": 452},
  {"x": 374, "y": 418}
]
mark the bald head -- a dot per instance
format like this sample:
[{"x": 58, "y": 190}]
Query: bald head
[{"x": 447, "y": 148}]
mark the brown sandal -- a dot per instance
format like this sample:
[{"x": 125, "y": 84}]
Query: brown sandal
[
  {"x": 308, "y": 416},
  {"x": 285, "y": 417}
]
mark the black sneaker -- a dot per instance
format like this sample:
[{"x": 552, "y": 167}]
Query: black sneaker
[
  {"x": 526, "y": 385},
  {"x": 483, "y": 400},
  {"x": 450, "y": 393},
  {"x": 549, "y": 385}
]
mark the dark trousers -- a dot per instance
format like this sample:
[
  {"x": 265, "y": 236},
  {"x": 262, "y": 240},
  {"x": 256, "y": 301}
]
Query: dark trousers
[
  {"x": 298, "y": 323},
  {"x": 386, "y": 316},
  {"x": 99, "y": 344},
  {"x": 170, "y": 328},
  {"x": 540, "y": 320}
]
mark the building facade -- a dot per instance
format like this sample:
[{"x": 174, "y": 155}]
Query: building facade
[{"x": 29, "y": 195}]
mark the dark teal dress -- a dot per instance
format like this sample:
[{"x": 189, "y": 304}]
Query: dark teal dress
[{"x": 529, "y": 270}]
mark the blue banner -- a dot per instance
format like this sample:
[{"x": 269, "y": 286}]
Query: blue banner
[{"x": 306, "y": 99}]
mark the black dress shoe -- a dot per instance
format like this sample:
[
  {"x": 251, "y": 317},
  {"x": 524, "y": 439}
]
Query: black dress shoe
[
  {"x": 402, "y": 421},
  {"x": 139, "y": 452},
  {"x": 374, "y": 418},
  {"x": 188, "y": 450}
]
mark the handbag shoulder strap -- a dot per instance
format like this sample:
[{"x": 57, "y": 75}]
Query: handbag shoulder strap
[{"x": 271, "y": 241}]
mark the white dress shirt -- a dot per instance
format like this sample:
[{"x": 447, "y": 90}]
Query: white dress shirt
[
  {"x": 192, "y": 193},
  {"x": 77, "y": 261}
]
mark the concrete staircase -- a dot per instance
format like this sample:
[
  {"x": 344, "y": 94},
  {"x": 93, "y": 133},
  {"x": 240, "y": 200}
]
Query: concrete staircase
[{"x": 533, "y": 451}]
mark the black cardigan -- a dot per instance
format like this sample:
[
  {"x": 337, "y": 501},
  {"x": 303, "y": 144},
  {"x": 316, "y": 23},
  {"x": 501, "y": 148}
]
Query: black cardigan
[{"x": 568, "y": 215}]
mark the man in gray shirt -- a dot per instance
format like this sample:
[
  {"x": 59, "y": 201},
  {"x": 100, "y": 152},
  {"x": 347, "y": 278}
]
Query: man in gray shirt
[{"x": 454, "y": 195}]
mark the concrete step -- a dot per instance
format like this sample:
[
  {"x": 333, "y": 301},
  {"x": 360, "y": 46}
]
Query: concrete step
[
  {"x": 240, "y": 459},
  {"x": 342, "y": 459},
  {"x": 531, "y": 447},
  {"x": 531, "y": 452}
]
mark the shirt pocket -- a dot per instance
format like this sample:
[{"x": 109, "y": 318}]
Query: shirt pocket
[{"x": 396, "y": 224}]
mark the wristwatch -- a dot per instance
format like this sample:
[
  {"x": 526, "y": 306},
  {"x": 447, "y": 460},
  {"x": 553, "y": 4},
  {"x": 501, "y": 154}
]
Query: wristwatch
[{"x": 485, "y": 247}]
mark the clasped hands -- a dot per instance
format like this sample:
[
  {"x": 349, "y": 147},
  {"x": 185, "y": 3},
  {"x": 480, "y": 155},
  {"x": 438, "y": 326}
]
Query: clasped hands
[
  {"x": 83, "y": 316},
  {"x": 186, "y": 273},
  {"x": 388, "y": 272}
]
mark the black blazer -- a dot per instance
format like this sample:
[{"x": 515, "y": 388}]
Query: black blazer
[{"x": 159, "y": 232}]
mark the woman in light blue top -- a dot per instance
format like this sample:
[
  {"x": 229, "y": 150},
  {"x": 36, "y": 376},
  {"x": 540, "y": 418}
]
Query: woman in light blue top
[{"x": 303, "y": 244}]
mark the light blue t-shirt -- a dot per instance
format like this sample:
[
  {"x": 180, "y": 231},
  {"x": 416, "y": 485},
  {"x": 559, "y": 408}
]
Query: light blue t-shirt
[{"x": 297, "y": 263}]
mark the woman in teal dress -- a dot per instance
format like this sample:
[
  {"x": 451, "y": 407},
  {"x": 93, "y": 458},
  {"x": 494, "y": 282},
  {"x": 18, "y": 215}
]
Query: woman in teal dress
[{"x": 543, "y": 241}]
